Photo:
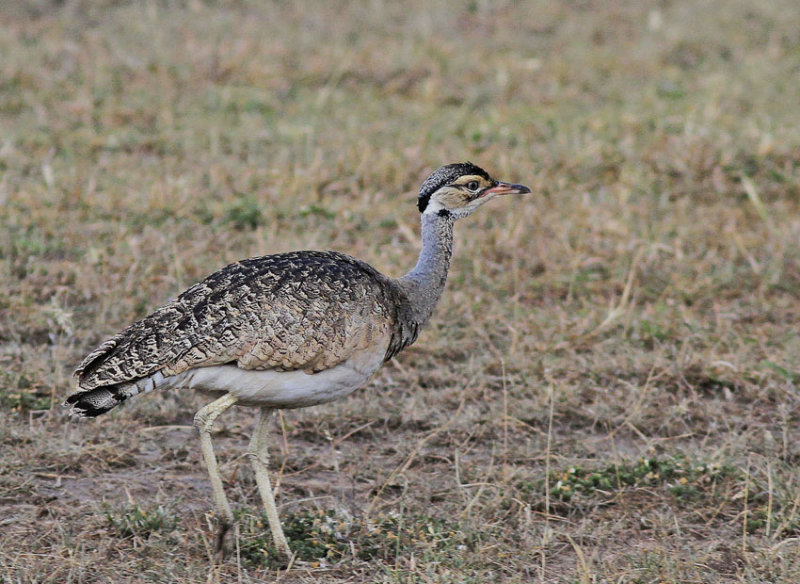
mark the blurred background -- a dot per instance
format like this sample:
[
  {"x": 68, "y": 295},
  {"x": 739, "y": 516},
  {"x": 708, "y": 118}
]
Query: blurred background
[{"x": 608, "y": 391}]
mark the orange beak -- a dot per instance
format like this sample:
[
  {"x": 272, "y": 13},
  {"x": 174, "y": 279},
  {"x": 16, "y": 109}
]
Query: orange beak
[{"x": 504, "y": 188}]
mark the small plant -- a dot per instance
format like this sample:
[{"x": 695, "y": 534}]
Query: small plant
[
  {"x": 20, "y": 394},
  {"x": 326, "y": 536},
  {"x": 138, "y": 522},
  {"x": 315, "y": 210},
  {"x": 308, "y": 533},
  {"x": 682, "y": 478},
  {"x": 390, "y": 534},
  {"x": 246, "y": 212}
]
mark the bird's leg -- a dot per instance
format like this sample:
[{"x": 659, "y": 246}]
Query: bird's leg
[
  {"x": 259, "y": 456},
  {"x": 204, "y": 421}
]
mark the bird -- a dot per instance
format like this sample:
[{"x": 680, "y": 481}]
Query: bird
[{"x": 283, "y": 331}]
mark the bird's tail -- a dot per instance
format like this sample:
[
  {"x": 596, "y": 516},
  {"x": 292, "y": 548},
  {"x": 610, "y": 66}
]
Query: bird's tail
[
  {"x": 94, "y": 402},
  {"x": 90, "y": 403}
]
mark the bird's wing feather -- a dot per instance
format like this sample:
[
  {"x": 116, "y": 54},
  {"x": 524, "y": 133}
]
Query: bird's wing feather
[{"x": 300, "y": 310}]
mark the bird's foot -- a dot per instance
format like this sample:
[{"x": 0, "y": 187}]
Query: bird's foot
[
  {"x": 219, "y": 544},
  {"x": 285, "y": 553},
  {"x": 283, "y": 559}
]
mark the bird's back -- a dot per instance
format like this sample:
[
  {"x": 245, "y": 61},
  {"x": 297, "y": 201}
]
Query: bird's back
[{"x": 304, "y": 310}]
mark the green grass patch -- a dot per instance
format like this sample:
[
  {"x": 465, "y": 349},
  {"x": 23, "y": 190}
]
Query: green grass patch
[
  {"x": 245, "y": 212},
  {"x": 136, "y": 521},
  {"x": 325, "y": 537},
  {"x": 18, "y": 393},
  {"x": 683, "y": 478}
]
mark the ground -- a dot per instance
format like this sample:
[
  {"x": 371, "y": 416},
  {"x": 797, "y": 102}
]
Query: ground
[{"x": 608, "y": 390}]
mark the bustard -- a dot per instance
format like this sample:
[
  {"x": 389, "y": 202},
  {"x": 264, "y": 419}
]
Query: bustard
[{"x": 284, "y": 331}]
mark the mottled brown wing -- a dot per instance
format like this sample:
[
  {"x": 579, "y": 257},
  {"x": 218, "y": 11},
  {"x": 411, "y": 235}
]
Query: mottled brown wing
[{"x": 299, "y": 310}]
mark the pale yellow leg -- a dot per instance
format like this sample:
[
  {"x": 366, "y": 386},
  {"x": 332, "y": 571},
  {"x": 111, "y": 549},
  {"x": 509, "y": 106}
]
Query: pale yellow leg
[
  {"x": 204, "y": 421},
  {"x": 259, "y": 456}
]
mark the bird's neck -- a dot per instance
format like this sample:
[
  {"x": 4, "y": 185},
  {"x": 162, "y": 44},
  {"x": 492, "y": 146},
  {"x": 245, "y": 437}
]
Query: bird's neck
[{"x": 424, "y": 284}]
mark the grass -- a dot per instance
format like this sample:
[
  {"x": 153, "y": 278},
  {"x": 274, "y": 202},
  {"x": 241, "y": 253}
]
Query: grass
[
  {"x": 608, "y": 391},
  {"x": 323, "y": 538},
  {"x": 137, "y": 522}
]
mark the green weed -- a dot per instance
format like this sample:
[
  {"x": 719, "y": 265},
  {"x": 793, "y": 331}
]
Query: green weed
[
  {"x": 326, "y": 538},
  {"x": 20, "y": 394},
  {"x": 138, "y": 522},
  {"x": 684, "y": 479}
]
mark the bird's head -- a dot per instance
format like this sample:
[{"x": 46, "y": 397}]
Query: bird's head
[{"x": 456, "y": 190}]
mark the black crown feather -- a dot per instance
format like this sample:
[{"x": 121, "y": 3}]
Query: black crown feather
[{"x": 444, "y": 176}]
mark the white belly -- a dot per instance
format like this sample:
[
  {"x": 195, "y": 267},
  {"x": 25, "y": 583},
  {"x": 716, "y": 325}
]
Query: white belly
[{"x": 278, "y": 389}]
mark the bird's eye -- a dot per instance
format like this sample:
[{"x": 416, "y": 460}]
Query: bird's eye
[{"x": 473, "y": 185}]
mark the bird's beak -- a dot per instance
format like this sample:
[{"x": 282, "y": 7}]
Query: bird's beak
[{"x": 504, "y": 188}]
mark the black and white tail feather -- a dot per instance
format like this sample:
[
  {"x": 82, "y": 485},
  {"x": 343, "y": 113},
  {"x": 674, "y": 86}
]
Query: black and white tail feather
[{"x": 96, "y": 402}]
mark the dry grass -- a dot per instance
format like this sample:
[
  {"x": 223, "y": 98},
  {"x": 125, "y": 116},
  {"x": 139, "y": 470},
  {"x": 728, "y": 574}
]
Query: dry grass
[{"x": 608, "y": 392}]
